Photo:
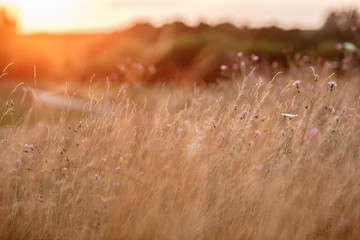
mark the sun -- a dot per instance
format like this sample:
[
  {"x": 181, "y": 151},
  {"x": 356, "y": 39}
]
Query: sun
[{"x": 41, "y": 15}]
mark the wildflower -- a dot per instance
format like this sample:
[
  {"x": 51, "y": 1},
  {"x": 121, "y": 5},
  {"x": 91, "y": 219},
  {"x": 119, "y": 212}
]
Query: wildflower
[
  {"x": 64, "y": 171},
  {"x": 251, "y": 142},
  {"x": 118, "y": 168},
  {"x": 331, "y": 108},
  {"x": 222, "y": 135},
  {"x": 289, "y": 116},
  {"x": 39, "y": 197},
  {"x": 223, "y": 67},
  {"x": 257, "y": 133},
  {"x": 29, "y": 147},
  {"x": 338, "y": 46},
  {"x": 332, "y": 85},
  {"x": 96, "y": 176},
  {"x": 213, "y": 123},
  {"x": 168, "y": 125},
  {"x": 239, "y": 54},
  {"x": 314, "y": 132},
  {"x": 254, "y": 58},
  {"x": 235, "y": 66},
  {"x": 296, "y": 83},
  {"x": 206, "y": 122},
  {"x": 116, "y": 184}
]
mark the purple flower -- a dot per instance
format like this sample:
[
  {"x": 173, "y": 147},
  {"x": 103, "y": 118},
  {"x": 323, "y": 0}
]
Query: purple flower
[
  {"x": 296, "y": 83},
  {"x": 223, "y": 67},
  {"x": 332, "y": 84},
  {"x": 222, "y": 135},
  {"x": 257, "y": 133},
  {"x": 96, "y": 176},
  {"x": 239, "y": 54},
  {"x": 29, "y": 147},
  {"x": 339, "y": 46},
  {"x": 254, "y": 58},
  {"x": 118, "y": 168}
]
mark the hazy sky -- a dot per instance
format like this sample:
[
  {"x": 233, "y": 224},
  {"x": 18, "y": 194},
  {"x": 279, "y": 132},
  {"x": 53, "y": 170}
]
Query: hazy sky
[{"x": 105, "y": 15}]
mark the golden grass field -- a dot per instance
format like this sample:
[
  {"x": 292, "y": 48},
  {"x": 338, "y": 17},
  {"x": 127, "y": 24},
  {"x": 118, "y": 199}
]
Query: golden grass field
[{"x": 187, "y": 162}]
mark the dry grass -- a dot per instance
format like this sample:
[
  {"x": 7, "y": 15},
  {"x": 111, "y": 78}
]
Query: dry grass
[{"x": 183, "y": 176}]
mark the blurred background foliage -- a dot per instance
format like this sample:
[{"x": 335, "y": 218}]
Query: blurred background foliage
[{"x": 173, "y": 51}]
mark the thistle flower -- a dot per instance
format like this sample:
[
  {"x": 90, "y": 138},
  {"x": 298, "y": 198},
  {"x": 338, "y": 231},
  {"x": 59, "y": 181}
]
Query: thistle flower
[
  {"x": 257, "y": 133},
  {"x": 213, "y": 123},
  {"x": 338, "y": 46},
  {"x": 39, "y": 197},
  {"x": 254, "y": 58},
  {"x": 29, "y": 146},
  {"x": 64, "y": 170},
  {"x": 296, "y": 83},
  {"x": 332, "y": 85},
  {"x": 222, "y": 135},
  {"x": 223, "y": 67}
]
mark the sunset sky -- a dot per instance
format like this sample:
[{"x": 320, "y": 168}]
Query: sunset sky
[{"x": 108, "y": 15}]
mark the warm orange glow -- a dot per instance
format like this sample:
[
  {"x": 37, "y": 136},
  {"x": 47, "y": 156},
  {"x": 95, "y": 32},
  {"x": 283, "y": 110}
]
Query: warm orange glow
[{"x": 103, "y": 15}]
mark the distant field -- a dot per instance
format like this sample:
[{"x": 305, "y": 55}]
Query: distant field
[{"x": 252, "y": 157}]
